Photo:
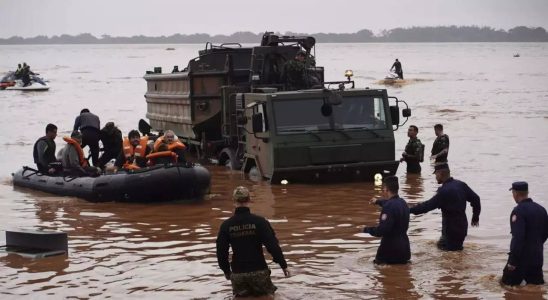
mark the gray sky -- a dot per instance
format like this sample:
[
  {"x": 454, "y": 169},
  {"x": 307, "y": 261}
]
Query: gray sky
[{"x": 29, "y": 18}]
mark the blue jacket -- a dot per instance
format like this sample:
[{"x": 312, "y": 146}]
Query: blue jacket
[
  {"x": 529, "y": 224},
  {"x": 451, "y": 198},
  {"x": 392, "y": 228}
]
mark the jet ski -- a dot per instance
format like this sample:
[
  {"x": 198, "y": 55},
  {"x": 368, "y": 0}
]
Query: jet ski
[{"x": 10, "y": 82}]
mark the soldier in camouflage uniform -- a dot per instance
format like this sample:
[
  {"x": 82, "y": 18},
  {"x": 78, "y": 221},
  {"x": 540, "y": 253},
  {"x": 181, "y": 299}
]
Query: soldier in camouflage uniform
[
  {"x": 440, "y": 148},
  {"x": 246, "y": 233},
  {"x": 412, "y": 152},
  {"x": 294, "y": 72}
]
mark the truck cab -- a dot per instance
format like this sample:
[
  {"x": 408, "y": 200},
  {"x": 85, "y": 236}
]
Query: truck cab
[{"x": 320, "y": 135}]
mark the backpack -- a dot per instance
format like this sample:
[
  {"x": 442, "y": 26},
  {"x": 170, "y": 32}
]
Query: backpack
[{"x": 420, "y": 150}]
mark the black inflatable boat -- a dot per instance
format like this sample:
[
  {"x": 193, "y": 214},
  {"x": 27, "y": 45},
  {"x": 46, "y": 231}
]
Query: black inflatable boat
[{"x": 153, "y": 184}]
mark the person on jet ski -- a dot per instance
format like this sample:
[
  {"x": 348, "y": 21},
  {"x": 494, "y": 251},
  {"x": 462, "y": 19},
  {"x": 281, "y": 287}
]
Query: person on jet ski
[{"x": 397, "y": 67}]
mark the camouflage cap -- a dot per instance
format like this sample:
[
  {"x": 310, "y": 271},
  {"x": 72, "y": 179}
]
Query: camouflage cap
[{"x": 240, "y": 194}]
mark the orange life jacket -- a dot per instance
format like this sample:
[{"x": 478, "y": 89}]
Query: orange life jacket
[
  {"x": 171, "y": 147},
  {"x": 81, "y": 157},
  {"x": 134, "y": 152},
  {"x": 152, "y": 157}
]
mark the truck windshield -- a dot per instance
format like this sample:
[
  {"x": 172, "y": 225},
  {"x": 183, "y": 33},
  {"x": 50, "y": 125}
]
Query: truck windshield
[{"x": 353, "y": 113}]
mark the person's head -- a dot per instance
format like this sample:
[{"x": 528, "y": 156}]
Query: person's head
[
  {"x": 520, "y": 191},
  {"x": 300, "y": 56},
  {"x": 438, "y": 129},
  {"x": 163, "y": 147},
  {"x": 24, "y": 65},
  {"x": 19, "y": 66},
  {"x": 442, "y": 172},
  {"x": 412, "y": 131},
  {"x": 169, "y": 136},
  {"x": 134, "y": 137},
  {"x": 85, "y": 110},
  {"x": 77, "y": 136},
  {"x": 390, "y": 187},
  {"x": 51, "y": 131},
  {"x": 240, "y": 195},
  {"x": 397, "y": 59}
]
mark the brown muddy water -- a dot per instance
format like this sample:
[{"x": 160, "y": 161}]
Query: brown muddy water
[{"x": 494, "y": 108}]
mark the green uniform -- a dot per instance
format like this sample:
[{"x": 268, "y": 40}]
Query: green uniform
[
  {"x": 294, "y": 75},
  {"x": 413, "y": 150}
]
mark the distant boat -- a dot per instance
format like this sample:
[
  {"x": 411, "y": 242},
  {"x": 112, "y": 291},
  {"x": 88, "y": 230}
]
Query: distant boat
[
  {"x": 9, "y": 82},
  {"x": 516, "y": 55},
  {"x": 170, "y": 48}
]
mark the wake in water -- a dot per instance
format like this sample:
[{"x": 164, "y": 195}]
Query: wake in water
[{"x": 401, "y": 82}]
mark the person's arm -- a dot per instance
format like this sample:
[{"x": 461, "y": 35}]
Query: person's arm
[
  {"x": 475, "y": 202},
  {"x": 223, "y": 244},
  {"x": 426, "y": 206},
  {"x": 268, "y": 237},
  {"x": 77, "y": 124},
  {"x": 121, "y": 159},
  {"x": 386, "y": 222},
  {"x": 517, "y": 225}
]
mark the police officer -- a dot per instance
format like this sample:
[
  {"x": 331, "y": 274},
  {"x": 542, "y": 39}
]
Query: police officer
[
  {"x": 90, "y": 126},
  {"x": 440, "y": 148},
  {"x": 413, "y": 151},
  {"x": 529, "y": 224},
  {"x": 451, "y": 198},
  {"x": 246, "y": 233},
  {"x": 393, "y": 225},
  {"x": 294, "y": 72}
]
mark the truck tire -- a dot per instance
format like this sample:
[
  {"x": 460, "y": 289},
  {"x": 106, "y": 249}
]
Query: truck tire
[{"x": 227, "y": 157}]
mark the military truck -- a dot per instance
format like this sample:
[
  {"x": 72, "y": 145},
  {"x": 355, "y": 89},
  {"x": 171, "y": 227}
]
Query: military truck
[{"x": 232, "y": 106}]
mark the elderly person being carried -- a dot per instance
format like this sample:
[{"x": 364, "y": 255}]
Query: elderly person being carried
[{"x": 73, "y": 159}]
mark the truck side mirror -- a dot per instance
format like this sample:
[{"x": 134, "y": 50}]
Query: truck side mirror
[
  {"x": 406, "y": 112},
  {"x": 395, "y": 114},
  {"x": 257, "y": 122}
]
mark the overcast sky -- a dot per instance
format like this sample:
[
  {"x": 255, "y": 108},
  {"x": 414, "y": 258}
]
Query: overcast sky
[{"x": 29, "y": 18}]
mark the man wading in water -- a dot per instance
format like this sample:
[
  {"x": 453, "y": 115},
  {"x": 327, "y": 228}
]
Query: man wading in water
[{"x": 247, "y": 233}]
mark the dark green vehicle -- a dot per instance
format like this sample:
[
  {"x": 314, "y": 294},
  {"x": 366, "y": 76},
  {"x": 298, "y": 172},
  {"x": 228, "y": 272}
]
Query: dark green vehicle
[{"x": 232, "y": 107}]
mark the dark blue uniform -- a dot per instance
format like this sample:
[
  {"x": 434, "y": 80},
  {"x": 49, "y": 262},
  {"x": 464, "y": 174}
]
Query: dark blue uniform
[
  {"x": 451, "y": 198},
  {"x": 247, "y": 233},
  {"x": 392, "y": 228},
  {"x": 529, "y": 224}
]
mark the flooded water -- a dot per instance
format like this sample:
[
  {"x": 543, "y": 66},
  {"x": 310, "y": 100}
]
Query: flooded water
[{"x": 494, "y": 108}]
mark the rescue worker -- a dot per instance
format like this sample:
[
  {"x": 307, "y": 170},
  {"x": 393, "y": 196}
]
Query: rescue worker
[
  {"x": 111, "y": 137},
  {"x": 451, "y": 198},
  {"x": 397, "y": 68},
  {"x": 529, "y": 224},
  {"x": 246, "y": 233},
  {"x": 294, "y": 72},
  {"x": 440, "y": 148},
  {"x": 73, "y": 159},
  {"x": 90, "y": 126},
  {"x": 413, "y": 151},
  {"x": 134, "y": 152},
  {"x": 393, "y": 225},
  {"x": 173, "y": 145},
  {"x": 18, "y": 72},
  {"x": 44, "y": 151}
]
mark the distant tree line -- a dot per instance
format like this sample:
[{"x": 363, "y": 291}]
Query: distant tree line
[{"x": 396, "y": 35}]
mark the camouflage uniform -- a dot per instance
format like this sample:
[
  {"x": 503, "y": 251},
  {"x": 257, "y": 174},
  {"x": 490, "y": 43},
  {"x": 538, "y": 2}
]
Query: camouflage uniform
[
  {"x": 441, "y": 142},
  {"x": 413, "y": 148},
  {"x": 257, "y": 283},
  {"x": 294, "y": 75}
]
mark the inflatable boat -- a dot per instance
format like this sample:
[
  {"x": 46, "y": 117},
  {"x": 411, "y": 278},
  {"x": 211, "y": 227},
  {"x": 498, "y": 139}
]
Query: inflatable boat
[{"x": 152, "y": 184}]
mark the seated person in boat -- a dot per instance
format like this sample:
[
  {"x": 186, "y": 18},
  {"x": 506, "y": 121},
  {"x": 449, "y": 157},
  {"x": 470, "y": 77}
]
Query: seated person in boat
[
  {"x": 173, "y": 144},
  {"x": 162, "y": 156},
  {"x": 73, "y": 159},
  {"x": 134, "y": 152},
  {"x": 44, "y": 151}
]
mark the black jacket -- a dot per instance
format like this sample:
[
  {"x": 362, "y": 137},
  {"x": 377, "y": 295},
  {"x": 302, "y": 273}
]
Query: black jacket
[
  {"x": 392, "y": 228},
  {"x": 44, "y": 153},
  {"x": 529, "y": 223},
  {"x": 451, "y": 198},
  {"x": 246, "y": 233},
  {"x": 112, "y": 140}
]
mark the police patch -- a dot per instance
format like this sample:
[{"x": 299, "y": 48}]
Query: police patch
[
  {"x": 384, "y": 217},
  {"x": 514, "y": 218}
]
